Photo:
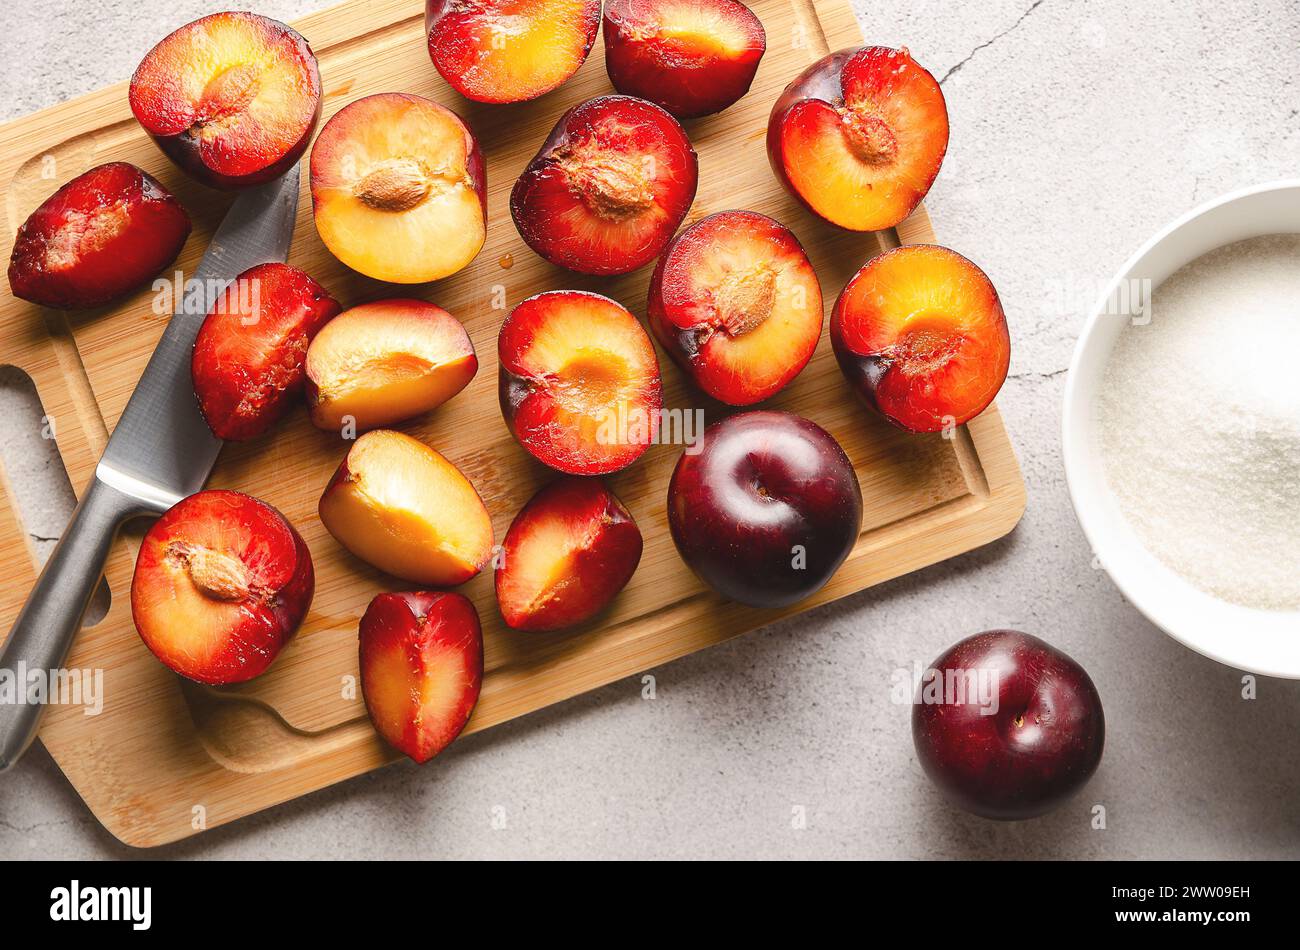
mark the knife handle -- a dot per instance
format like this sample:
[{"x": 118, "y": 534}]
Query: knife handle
[{"x": 44, "y": 630}]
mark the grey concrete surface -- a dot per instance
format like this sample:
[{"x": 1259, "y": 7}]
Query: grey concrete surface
[{"x": 1078, "y": 129}]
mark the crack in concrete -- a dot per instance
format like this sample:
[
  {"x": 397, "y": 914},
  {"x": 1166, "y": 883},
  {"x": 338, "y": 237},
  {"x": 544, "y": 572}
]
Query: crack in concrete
[
  {"x": 28, "y": 829},
  {"x": 1033, "y": 375},
  {"x": 990, "y": 42}
]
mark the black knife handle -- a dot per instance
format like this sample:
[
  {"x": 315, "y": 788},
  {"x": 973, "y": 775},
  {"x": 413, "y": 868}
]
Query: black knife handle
[{"x": 43, "y": 633}]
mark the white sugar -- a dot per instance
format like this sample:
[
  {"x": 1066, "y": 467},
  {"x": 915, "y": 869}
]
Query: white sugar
[{"x": 1199, "y": 419}]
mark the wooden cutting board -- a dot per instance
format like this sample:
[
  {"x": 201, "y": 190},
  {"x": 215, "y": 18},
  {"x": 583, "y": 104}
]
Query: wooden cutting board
[{"x": 167, "y": 758}]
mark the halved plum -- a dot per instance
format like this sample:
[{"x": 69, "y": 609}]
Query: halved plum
[
  {"x": 221, "y": 584},
  {"x": 579, "y": 381},
  {"x": 693, "y": 57},
  {"x": 920, "y": 333},
  {"x": 859, "y": 136},
  {"x": 398, "y": 189},
  {"x": 248, "y": 360},
  {"x": 736, "y": 303},
  {"x": 399, "y": 505},
  {"x": 568, "y": 552},
  {"x": 97, "y": 238},
  {"x": 608, "y": 188},
  {"x": 386, "y": 361},
  {"x": 421, "y": 656},
  {"x": 509, "y": 50},
  {"x": 231, "y": 98}
]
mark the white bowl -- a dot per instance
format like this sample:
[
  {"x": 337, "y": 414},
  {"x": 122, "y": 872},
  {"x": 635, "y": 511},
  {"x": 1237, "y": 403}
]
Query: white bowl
[{"x": 1261, "y": 641}]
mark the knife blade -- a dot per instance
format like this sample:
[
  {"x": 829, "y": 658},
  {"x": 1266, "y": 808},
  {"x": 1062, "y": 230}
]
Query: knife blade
[{"x": 161, "y": 450}]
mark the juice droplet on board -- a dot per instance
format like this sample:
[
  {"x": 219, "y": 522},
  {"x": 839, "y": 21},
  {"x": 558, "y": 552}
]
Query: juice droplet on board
[{"x": 506, "y": 261}]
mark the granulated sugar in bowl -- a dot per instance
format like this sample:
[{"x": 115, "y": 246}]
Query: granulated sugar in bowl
[
  {"x": 1179, "y": 429},
  {"x": 1198, "y": 423}
]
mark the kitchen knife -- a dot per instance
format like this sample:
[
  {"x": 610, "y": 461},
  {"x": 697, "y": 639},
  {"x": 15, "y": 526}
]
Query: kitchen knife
[{"x": 161, "y": 450}]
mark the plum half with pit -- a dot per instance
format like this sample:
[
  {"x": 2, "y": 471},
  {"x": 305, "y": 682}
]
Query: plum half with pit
[
  {"x": 736, "y": 303},
  {"x": 858, "y": 137},
  {"x": 221, "y": 584},
  {"x": 920, "y": 334},
  {"x": 608, "y": 187},
  {"x": 398, "y": 189}
]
